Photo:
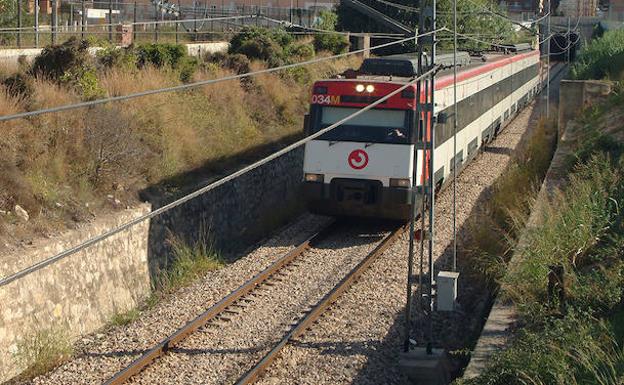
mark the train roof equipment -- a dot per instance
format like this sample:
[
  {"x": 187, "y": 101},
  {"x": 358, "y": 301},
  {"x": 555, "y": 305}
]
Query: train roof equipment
[{"x": 406, "y": 65}]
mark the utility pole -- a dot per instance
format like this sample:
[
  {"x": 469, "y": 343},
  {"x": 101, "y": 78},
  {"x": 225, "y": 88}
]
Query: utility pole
[
  {"x": 548, "y": 65},
  {"x": 424, "y": 146}
]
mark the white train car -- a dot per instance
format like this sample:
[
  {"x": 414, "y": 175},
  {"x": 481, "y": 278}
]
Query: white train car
[{"x": 364, "y": 167}]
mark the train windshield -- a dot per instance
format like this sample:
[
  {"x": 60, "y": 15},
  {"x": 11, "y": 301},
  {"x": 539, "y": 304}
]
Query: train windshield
[{"x": 372, "y": 126}]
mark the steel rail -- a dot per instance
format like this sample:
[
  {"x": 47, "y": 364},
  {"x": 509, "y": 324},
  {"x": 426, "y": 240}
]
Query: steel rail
[
  {"x": 165, "y": 345},
  {"x": 306, "y": 322}
]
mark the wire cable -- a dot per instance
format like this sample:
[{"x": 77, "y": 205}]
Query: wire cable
[
  {"x": 200, "y": 83},
  {"x": 454, "y": 263},
  {"x": 92, "y": 241},
  {"x": 406, "y": 8}
]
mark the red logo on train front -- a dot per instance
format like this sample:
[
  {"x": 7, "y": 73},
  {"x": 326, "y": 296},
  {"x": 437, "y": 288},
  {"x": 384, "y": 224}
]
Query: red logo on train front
[{"x": 358, "y": 159}]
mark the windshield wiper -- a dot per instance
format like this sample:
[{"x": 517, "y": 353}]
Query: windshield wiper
[
  {"x": 367, "y": 145},
  {"x": 332, "y": 142}
]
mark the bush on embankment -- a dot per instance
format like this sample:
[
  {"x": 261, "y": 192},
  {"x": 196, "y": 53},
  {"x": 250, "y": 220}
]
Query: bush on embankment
[
  {"x": 495, "y": 228},
  {"x": 601, "y": 58},
  {"x": 572, "y": 336},
  {"x": 63, "y": 167}
]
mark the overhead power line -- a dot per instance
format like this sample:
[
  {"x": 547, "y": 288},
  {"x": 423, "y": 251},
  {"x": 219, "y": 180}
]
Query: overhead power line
[
  {"x": 406, "y": 8},
  {"x": 90, "y": 242},
  {"x": 184, "y": 87}
]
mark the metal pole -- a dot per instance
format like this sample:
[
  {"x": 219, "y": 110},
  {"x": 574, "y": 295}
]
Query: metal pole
[
  {"x": 37, "y": 23},
  {"x": 454, "y": 135},
  {"x": 410, "y": 255},
  {"x": 19, "y": 23},
  {"x": 432, "y": 183},
  {"x": 155, "y": 23},
  {"x": 54, "y": 21},
  {"x": 569, "y": 41},
  {"x": 134, "y": 20},
  {"x": 71, "y": 17},
  {"x": 177, "y": 39},
  {"x": 110, "y": 20},
  {"x": 83, "y": 19},
  {"x": 195, "y": 19},
  {"x": 548, "y": 66}
]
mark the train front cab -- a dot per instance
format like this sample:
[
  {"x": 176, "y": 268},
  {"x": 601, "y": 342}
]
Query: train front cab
[{"x": 338, "y": 188}]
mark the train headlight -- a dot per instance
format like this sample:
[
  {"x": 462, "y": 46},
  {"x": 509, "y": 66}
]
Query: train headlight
[
  {"x": 400, "y": 182},
  {"x": 360, "y": 88},
  {"x": 370, "y": 88},
  {"x": 314, "y": 177}
]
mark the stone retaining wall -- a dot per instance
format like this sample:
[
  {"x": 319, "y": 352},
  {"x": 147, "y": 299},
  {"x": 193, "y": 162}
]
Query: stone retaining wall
[{"x": 80, "y": 293}]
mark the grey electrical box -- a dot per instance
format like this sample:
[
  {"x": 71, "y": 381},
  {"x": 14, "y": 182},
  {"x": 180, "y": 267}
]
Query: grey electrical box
[{"x": 447, "y": 290}]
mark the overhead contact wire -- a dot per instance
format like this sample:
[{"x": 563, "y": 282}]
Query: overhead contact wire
[{"x": 184, "y": 87}]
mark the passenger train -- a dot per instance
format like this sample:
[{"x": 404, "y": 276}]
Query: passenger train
[{"x": 364, "y": 167}]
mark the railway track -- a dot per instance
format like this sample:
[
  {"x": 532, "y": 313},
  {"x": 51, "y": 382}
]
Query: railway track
[{"x": 237, "y": 300}]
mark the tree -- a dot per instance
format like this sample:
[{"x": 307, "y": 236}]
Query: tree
[
  {"x": 471, "y": 20},
  {"x": 8, "y": 13}
]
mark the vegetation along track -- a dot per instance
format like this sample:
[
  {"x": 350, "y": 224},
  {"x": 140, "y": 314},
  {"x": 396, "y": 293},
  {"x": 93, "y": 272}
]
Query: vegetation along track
[{"x": 249, "y": 324}]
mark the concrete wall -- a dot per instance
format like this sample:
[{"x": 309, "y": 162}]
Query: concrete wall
[
  {"x": 576, "y": 95},
  {"x": 81, "y": 293},
  {"x": 11, "y": 56}
]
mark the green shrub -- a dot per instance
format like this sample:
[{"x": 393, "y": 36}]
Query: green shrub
[
  {"x": 238, "y": 63},
  {"x": 261, "y": 48},
  {"x": 574, "y": 350},
  {"x": 187, "y": 68},
  {"x": 161, "y": 54},
  {"x": 601, "y": 58},
  {"x": 190, "y": 261},
  {"x": 123, "y": 58},
  {"x": 281, "y": 37},
  {"x": 301, "y": 51},
  {"x": 56, "y": 60},
  {"x": 85, "y": 81},
  {"x": 333, "y": 43}
]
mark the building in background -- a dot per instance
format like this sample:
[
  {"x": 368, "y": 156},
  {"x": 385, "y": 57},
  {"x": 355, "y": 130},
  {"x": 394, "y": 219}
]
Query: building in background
[
  {"x": 577, "y": 8},
  {"x": 522, "y": 10}
]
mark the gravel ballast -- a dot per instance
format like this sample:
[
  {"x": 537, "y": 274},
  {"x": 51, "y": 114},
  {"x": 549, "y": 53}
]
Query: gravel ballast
[{"x": 356, "y": 341}]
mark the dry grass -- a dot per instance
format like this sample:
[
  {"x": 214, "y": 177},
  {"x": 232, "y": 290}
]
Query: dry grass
[{"x": 55, "y": 164}]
